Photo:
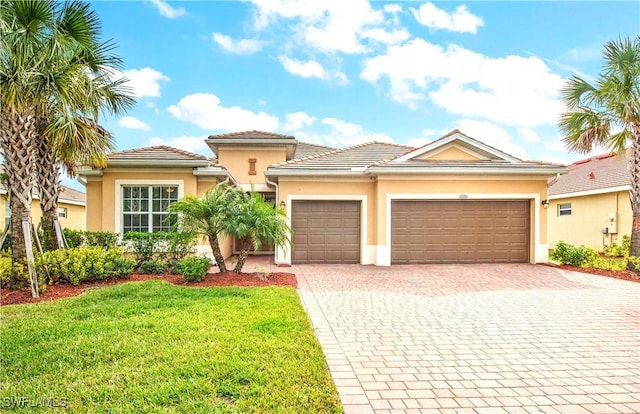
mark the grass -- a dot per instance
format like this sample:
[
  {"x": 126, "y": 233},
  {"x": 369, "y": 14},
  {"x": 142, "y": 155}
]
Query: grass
[{"x": 152, "y": 347}]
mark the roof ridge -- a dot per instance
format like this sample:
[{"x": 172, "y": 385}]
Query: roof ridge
[
  {"x": 249, "y": 132},
  {"x": 163, "y": 147},
  {"x": 597, "y": 157}
]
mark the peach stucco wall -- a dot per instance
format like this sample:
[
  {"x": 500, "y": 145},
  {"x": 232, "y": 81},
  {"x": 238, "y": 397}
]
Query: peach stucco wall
[
  {"x": 377, "y": 193},
  {"x": 236, "y": 160},
  {"x": 588, "y": 215},
  {"x": 326, "y": 188}
]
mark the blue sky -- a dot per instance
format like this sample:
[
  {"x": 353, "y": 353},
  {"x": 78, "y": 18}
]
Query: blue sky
[{"x": 344, "y": 72}]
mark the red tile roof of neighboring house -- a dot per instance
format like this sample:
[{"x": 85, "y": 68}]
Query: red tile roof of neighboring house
[{"x": 595, "y": 173}]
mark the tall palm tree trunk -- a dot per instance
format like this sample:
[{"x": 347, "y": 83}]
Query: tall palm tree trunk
[
  {"x": 48, "y": 172},
  {"x": 634, "y": 169},
  {"x": 16, "y": 132}
]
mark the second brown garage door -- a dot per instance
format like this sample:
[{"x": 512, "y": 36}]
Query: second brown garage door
[
  {"x": 466, "y": 231},
  {"x": 326, "y": 231}
]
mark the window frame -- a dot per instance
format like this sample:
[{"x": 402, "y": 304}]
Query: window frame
[
  {"x": 565, "y": 209},
  {"x": 119, "y": 198},
  {"x": 63, "y": 212}
]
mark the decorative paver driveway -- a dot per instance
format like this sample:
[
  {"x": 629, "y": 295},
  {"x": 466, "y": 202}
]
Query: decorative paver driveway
[{"x": 477, "y": 338}]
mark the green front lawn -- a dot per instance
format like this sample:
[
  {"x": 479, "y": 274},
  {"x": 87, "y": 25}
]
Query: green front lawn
[{"x": 153, "y": 347}]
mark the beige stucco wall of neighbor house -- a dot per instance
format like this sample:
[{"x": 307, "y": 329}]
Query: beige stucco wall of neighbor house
[
  {"x": 588, "y": 215},
  {"x": 75, "y": 220},
  {"x": 378, "y": 195},
  {"x": 236, "y": 160}
]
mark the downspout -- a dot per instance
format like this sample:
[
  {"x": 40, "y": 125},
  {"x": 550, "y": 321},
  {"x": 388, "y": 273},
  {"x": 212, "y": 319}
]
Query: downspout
[
  {"x": 555, "y": 180},
  {"x": 276, "y": 258}
]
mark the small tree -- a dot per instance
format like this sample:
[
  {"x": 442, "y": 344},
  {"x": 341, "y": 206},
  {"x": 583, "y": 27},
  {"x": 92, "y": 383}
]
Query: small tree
[
  {"x": 607, "y": 113},
  {"x": 208, "y": 216},
  {"x": 255, "y": 221}
]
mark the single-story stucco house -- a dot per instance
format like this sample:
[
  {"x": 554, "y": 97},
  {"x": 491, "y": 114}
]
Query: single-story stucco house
[
  {"x": 454, "y": 200},
  {"x": 590, "y": 205}
]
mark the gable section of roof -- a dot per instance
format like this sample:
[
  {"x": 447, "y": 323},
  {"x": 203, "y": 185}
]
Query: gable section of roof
[
  {"x": 306, "y": 150},
  {"x": 598, "y": 173},
  {"x": 464, "y": 143},
  {"x": 354, "y": 158}
]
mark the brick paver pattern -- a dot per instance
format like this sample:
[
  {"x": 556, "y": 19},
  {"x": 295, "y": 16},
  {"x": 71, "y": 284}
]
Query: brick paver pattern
[{"x": 476, "y": 338}]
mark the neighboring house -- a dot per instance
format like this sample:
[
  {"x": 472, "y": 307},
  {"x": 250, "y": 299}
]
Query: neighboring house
[
  {"x": 454, "y": 200},
  {"x": 590, "y": 205},
  {"x": 71, "y": 209}
]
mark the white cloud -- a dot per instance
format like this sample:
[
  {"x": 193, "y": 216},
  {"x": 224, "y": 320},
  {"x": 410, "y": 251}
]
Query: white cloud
[
  {"x": 327, "y": 26},
  {"x": 241, "y": 46},
  {"x": 145, "y": 81},
  {"x": 167, "y": 10},
  {"x": 298, "y": 120},
  {"x": 311, "y": 69},
  {"x": 133, "y": 123},
  {"x": 460, "y": 21},
  {"x": 186, "y": 143},
  {"x": 344, "y": 134},
  {"x": 584, "y": 54},
  {"x": 392, "y": 8},
  {"x": 204, "y": 110},
  {"x": 513, "y": 90},
  {"x": 387, "y": 37},
  {"x": 528, "y": 135},
  {"x": 555, "y": 146},
  {"x": 491, "y": 134}
]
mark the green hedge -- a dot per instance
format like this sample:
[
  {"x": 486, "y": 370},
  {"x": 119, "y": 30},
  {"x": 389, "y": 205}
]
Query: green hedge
[{"x": 82, "y": 264}]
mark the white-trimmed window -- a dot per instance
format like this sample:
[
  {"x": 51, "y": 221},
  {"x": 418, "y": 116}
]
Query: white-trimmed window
[
  {"x": 564, "y": 209},
  {"x": 146, "y": 207},
  {"x": 62, "y": 212}
]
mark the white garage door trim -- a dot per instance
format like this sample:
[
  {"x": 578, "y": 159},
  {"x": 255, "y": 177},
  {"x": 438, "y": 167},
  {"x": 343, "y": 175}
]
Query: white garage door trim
[
  {"x": 367, "y": 253},
  {"x": 540, "y": 251}
]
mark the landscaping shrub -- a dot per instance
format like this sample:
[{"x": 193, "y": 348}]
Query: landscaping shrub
[
  {"x": 16, "y": 276},
  {"x": 104, "y": 239},
  {"x": 154, "y": 267},
  {"x": 194, "y": 268},
  {"x": 78, "y": 238},
  {"x": 179, "y": 246},
  {"x": 144, "y": 244},
  {"x": 615, "y": 250},
  {"x": 566, "y": 253},
  {"x": 86, "y": 263},
  {"x": 75, "y": 238}
]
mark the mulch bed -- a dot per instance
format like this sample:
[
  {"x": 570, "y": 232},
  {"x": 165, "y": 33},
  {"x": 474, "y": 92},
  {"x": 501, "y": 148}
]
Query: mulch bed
[
  {"x": 617, "y": 274},
  {"x": 63, "y": 290}
]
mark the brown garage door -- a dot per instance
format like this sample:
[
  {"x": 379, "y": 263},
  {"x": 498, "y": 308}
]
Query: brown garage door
[
  {"x": 466, "y": 231},
  {"x": 326, "y": 231}
]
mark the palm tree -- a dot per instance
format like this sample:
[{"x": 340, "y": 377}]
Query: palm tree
[
  {"x": 50, "y": 61},
  {"x": 607, "y": 113},
  {"x": 255, "y": 221},
  {"x": 207, "y": 216}
]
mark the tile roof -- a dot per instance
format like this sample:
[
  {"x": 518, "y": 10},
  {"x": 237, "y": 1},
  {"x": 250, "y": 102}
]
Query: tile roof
[
  {"x": 306, "y": 150},
  {"x": 357, "y": 156},
  {"x": 251, "y": 134},
  {"x": 595, "y": 173},
  {"x": 159, "y": 152}
]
